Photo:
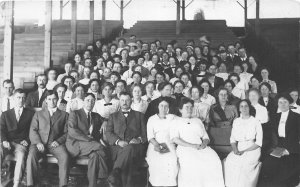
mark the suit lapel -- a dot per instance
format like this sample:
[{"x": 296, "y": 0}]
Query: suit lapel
[
  {"x": 12, "y": 114},
  {"x": 55, "y": 116},
  {"x": 122, "y": 119},
  {"x": 84, "y": 119},
  {"x": 289, "y": 122}
]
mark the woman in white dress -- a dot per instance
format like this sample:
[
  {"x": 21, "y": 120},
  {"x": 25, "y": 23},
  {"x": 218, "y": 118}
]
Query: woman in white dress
[
  {"x": 242, "y": 166},
  {"x": 138, "y": 104},
  {"x": 199, "y": 165},
  {"x": 206, "y": 97},
  {"x": 161, "y": 155}
]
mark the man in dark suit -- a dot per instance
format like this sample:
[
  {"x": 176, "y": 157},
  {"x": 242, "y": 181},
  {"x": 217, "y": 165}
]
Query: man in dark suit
[
  {"x": 84, "y": 139},
  {"x": 48, "y": 132},
  {"x": 36, "y": 98},
  {"x": 215, "y": 81},
  {"x": 15, "y": 124},
  {"x": 126, "y": 135}
]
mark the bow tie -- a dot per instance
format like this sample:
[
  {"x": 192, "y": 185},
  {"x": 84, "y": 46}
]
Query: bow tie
[{"x": 107, "y": 104}]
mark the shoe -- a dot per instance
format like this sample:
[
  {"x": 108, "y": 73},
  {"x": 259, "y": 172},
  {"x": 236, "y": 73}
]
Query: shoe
[{"x": 114, "y": 179}]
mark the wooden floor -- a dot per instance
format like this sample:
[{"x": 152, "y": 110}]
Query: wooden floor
[{"x": 49, "y": 178}]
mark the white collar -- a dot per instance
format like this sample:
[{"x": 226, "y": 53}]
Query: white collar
[
  {"x": 52, "y": 109},
  {"x": 86, "y": 111}
]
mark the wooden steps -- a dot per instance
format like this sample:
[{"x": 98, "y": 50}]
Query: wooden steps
[{"x": 164, "y": 31}]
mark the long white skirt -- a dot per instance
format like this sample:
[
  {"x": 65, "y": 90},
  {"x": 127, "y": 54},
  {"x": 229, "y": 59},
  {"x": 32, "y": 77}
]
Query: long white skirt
[
  {"x": 242, "y": 170},
  {"x": 163, "y": 168},
  {"x": 199, "y": 168}
]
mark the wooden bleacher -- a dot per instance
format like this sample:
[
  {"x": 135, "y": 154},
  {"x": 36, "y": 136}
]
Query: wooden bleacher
[
  {"x": 149, "y": 31},
  {"x": 29, "y": 47}
]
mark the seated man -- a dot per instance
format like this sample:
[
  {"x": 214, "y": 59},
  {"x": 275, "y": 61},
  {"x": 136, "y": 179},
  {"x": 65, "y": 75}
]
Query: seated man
[
  {"x": 126, "y": 134},
  {"x": 48, "y": 132},
  {"x": 15, "y": 124},
  {"x": 84, "y": 139},
  {"x": 36, "y": 98}
]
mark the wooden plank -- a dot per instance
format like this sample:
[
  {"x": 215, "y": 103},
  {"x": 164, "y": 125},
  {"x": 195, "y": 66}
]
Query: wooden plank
[
  {"x": 8, "y": 40},
  {"x": 103, "y": 31},
  {"x": 74, "y": 26},
  {"x": 91, "y": 22},
  {"x": 48, "y": 35}
]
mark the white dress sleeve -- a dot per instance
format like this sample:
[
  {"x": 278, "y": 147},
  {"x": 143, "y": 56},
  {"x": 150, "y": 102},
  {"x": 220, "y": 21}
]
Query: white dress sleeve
[
  {"x": 205, "y": 135},
  {"x": 174, "y": 130},
  {"x": 259, "y": 134},
  {"x": 150, "y": 128},
  {"x": 233, "y": 131}
]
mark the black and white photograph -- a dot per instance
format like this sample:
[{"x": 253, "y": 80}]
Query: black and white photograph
[{"x": 150, "y": 93}]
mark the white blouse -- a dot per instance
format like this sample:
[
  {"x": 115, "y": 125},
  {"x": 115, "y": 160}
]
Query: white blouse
[
  {"x": 210, "y": 100},
  {"x": 105, "y": 109},
  {"x": 282, "y": 123},
  {"x": 261, "y": 113},
  {"x": 140, "y": 106},
  {"x": 74, "y": 104},
  {"x": 246, "y": 130}
]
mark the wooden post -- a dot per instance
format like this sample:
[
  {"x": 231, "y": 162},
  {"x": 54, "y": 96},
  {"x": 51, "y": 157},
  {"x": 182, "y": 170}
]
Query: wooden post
[
  {"x": 61, "y": 4},
  {"x": 91, "y": 22},
  {"x": 245, "y": 14},
  {"x": 257, "y": 24},
  {"x": 74, "y": 26},
  {"x": 48, "y": 35},
  {"x": 8, "y": 40},
  {"x": 183, "y": 9},
  {"x": 178, "y": 18},
  {"x": 122, "y": 10},
  {"x": 103, "y": 31}
]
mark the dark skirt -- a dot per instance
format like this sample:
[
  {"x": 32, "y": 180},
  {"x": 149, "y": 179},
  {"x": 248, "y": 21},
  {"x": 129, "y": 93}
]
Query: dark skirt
[{"x": 282, "y": 171}]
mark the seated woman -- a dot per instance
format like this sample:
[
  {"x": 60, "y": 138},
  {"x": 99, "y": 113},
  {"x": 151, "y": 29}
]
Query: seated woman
[
  {"x": 229, "y": 85},
  {"x": 107, "y": 105},
  {"x": 264, "y": 72},
  {"x": 61, "y": 90},
  {"x": 149, "y": 88},
  {"x": 221, "y": 117},
  {"x": 222, "y": 73},
  {"x": 86, "y": 76},
  {"x": 200, "y": 166},
  {"x": 281, "y": 167},
  {"x": 254, "y": 82},
  {"x": 294, "y": 93},
  {"x": 242, "y": 166},
  {"x": 138, "y": 104},
  {"x": 178, "y": 89},
  {"x": 51, "y": 75},
  {"x": 185, "y": 78},
  {"x": 77, "y": 102},
  {"x": 239, "y": 88},
  {"x": 94, "y": 86},
  {"x": 200, "y": 110},
  {"x": 261, "y": 111},
  {"x": 206, "y": 97},
  {"x": 161, "y": 155},
  {"x": 69, "y": 82},
  {"x": 178, "y": 71}
]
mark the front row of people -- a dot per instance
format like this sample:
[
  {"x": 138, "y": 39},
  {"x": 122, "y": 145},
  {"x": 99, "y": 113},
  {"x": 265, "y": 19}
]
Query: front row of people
[{"x": 178, "y": 153}]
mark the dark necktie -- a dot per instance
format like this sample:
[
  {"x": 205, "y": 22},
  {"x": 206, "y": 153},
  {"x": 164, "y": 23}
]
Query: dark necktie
[
  {"x": 8, "y": 103},
  {"x": 89, "y": 118}
]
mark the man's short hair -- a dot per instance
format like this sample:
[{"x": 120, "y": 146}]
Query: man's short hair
[
  {"x": 125, "y": 94},
  {"x": 89, "y": 94},
  {"x": 51, "y": 92},
  {"x": 19, "y": 90},
  {"x": 8, "y": 81}
]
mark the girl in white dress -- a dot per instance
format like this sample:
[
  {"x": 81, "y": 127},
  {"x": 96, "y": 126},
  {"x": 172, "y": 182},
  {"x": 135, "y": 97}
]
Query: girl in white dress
[
  {"x": 242, "y": 166},
  {"x": 199, "y": 165},
  {"x": 161, "y": 155}
]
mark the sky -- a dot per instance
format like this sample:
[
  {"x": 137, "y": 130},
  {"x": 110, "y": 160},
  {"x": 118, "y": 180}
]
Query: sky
[{"x": 229, "y": 10}]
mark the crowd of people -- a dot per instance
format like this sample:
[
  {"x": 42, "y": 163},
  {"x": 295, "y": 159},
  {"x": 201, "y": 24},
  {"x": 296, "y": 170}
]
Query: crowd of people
[{"x": 175, "y": 108}]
